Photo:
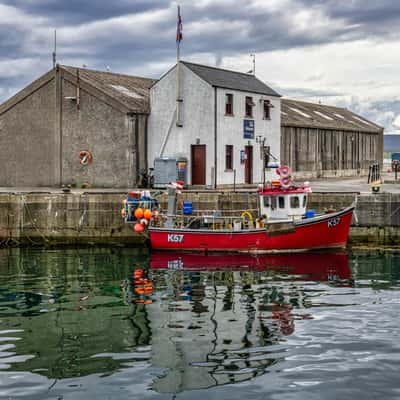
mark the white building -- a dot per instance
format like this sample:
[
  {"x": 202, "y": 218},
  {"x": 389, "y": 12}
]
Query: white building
[{"x": 224, "y": 121}]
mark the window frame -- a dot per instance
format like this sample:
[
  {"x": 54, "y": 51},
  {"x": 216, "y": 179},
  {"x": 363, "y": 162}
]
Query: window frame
[
  {"x": 227, "y": 104},
  {"x": 267, "y": 105},
  {"x": 294, "y": 202},
  {"x": 248, "y": 107},
  {"x": 229, "y": 157}
]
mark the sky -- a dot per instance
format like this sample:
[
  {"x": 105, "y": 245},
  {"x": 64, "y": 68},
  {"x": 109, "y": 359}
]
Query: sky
[{"x": 337, "y": 52}]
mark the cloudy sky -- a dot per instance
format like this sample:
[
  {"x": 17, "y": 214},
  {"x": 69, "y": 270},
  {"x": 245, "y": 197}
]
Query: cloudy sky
[{"x": 339, "y": 52}]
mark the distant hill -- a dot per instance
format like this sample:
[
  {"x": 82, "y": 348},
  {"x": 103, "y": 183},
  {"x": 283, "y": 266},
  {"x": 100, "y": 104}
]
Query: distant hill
[{"x": 391, "y": 143}]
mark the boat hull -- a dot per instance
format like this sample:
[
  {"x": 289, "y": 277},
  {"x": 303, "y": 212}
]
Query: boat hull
[{"x": 324, "y": 231}]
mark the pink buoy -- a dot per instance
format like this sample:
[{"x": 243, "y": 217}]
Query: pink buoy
[
  {"x": 138, "y": 228},
  {"x": 284, "y": 171},
  {"x": 286, "y": 182}
]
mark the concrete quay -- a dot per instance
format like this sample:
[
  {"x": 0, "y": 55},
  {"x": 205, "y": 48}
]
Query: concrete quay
[{"x": 48, "y": 216}]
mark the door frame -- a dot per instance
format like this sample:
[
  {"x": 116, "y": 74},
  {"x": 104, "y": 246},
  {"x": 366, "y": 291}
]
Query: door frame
[
  {"x": 248, "y": 165},
  {"x": 192, "y": 147}
]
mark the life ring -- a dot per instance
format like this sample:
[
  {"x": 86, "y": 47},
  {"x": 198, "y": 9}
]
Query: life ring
[
  {"x": 85, "y": 157},
  {"x": 246, "y": 214},
  {"x": 284, "y": 171},
  {"x": 286, "y": 182}
]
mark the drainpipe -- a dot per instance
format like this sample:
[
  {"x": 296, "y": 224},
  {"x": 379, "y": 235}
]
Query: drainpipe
[{"x": 215, "y": 137}]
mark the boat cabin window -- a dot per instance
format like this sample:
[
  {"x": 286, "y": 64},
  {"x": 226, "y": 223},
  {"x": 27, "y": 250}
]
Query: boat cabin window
[
  {"x": 304, "y": 201},
  {"x": 294, "y": 202},
  {"x": 281, "y": 201},
  {"x": 267, "y": 202}
]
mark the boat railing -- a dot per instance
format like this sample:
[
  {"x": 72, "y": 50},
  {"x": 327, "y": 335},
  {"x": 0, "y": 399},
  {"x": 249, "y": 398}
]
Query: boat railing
[{"x": 212, "y": 220}]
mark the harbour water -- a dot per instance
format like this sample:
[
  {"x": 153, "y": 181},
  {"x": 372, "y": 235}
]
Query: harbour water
[{"x": 125, "y": 324}]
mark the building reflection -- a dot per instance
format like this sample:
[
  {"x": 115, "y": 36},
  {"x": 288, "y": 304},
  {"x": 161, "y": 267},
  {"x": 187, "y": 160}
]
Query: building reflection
[
  {"x": 221, "y": 317},
  {"x": 204, "y": 320}
]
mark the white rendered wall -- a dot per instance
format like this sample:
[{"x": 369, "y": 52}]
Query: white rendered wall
[
  {"x": 198, "y": 126},
  {"x": 198, "y": 119},
  {"x": 230, "y": 132}
]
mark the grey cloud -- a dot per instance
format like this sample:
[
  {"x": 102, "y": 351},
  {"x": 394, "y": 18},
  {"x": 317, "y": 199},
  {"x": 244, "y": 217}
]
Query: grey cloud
[{"x": 96, "y": 32}]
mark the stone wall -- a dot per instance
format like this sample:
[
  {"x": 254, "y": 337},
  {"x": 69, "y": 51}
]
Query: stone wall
[
  {"x": 50, "y": 219},
  {"x": 29, "y": 152},
  {"x": 94, "y": 218}
]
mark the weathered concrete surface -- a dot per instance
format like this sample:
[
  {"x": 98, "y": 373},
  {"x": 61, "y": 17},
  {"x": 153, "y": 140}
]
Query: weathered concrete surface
[
  {"x": 94, "y": 218},
  {"x": 50, "y": 219}
]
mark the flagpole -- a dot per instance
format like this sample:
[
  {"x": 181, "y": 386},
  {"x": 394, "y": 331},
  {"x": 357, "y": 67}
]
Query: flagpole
[{"x": 178, "y": 71}]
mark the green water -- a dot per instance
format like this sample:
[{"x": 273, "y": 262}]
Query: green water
[{"x": 75, "y": 324}]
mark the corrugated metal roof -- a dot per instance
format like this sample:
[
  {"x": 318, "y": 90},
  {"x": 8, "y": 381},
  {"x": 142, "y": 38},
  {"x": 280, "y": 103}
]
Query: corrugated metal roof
[
  {"x": 131, "y": 91},
  {"x": 230, "y": 79},
  {"x": 302, "y": 114}
]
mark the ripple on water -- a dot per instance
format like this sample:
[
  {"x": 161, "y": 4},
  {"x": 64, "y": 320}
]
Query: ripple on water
[{"x": 76, "y": 324}]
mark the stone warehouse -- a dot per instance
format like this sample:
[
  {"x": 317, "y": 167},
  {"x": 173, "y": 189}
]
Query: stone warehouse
[
  {"x": 75, "y": 125},
  {"x": 79, "y": 126},
  {"x": 324, "y": 141}
]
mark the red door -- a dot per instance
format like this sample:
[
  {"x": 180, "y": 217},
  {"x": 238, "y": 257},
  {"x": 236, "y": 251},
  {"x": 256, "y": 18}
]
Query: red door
[
  {"x": 248, "y": 165},
  {"x": 198, "y": 164}
]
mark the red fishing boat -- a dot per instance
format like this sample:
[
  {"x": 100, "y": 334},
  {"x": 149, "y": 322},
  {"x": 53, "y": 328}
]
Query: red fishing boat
[{"x": 281, "y": 224}]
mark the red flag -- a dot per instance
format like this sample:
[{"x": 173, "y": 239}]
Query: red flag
[{"x": 179, "y": 27}]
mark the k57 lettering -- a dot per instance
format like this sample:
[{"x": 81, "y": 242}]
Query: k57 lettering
[{"x": 172, "y": 238}]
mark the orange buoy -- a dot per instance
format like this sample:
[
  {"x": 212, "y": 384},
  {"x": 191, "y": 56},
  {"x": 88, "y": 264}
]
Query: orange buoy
[
  {"x": 139, "y": 228},
  {"x": 148, "y": 214},
  {"x": 275, "y": 183},
  {"x": 138, "y": 273},
  {"x": 139, "y": 213}
]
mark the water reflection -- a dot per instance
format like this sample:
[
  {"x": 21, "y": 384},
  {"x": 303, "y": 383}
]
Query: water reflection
[
  {"x": 219, "y": 319},
  {"x": 178, "y": 321}
]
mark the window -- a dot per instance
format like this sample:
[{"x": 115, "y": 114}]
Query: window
[
  {"x": 267, "y": 109},
  {"x": 249, "y": 107},
  {"x": 267, "y": 202},
  {"x": 304, "y": 201},
  {"x": 228, "y": 104},
  {"x": 294, "y": 202},
  {"x": 281, "y": 201},
  {"x": 229, "y": 157}
]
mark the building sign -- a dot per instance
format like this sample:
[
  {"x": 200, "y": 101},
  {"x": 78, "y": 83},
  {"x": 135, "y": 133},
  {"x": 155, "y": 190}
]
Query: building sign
[{"x": 248, "y": 129}]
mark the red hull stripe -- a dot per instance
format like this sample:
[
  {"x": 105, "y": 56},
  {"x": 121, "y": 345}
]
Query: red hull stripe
[{"x": 326, "y": 231}]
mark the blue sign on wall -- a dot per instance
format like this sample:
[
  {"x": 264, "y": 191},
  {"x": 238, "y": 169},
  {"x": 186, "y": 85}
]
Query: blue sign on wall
[{"x": 248, "y": 129}]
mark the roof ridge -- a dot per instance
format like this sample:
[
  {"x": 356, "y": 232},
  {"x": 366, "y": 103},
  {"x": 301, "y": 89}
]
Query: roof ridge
[
  {"x": 220, "y": 69},
  {"x": 106, "y": 72},
  {"x": 315, "y": 104}
]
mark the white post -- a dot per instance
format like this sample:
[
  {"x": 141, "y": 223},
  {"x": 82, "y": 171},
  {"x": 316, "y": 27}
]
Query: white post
[{"x": 179, "y": 100}]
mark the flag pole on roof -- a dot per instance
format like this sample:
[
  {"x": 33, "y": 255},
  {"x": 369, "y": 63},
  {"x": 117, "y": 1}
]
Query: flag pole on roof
[{"x": 179, "y": 99}]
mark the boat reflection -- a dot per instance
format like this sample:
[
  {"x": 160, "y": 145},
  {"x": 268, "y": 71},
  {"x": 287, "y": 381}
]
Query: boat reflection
[
  {"x": 322, "y": 267},
  {"x": 220, "y": 319}
]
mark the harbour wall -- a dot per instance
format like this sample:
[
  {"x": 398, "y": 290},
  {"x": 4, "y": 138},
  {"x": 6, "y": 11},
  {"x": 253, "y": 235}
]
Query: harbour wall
[{"x": 90, "y": 218}]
